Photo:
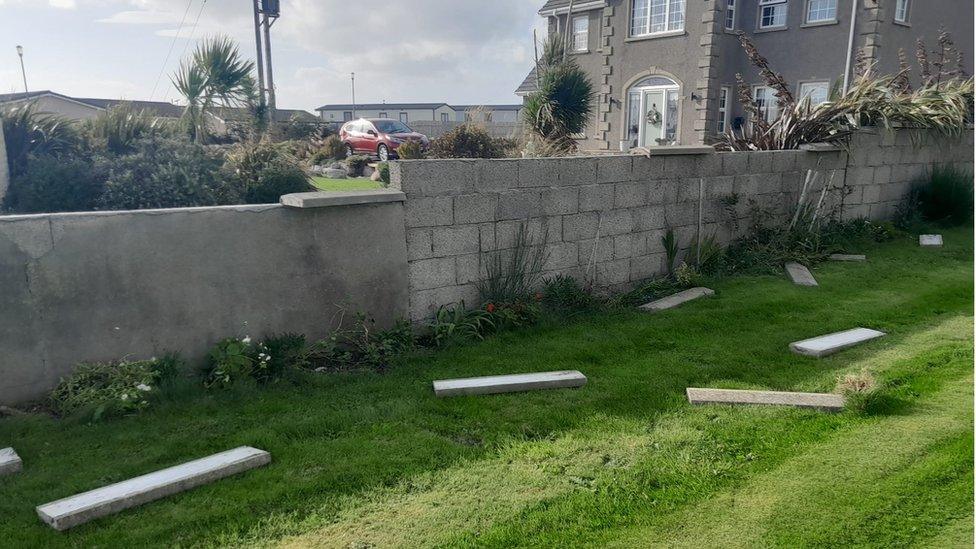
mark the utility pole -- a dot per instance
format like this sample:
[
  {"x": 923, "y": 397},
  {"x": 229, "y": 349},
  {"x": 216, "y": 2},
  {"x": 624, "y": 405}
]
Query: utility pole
[
  {"x": 260, "y": 56},
  {"x": 20, "y": 53},
  {"x": 266, "y": 12},
  {"x": 353, "y": 96}
]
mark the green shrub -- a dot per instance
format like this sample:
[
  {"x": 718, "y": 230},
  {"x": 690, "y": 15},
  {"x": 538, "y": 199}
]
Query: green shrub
[
  {"x": 54, "y": 185},
  {"x": 455, "y": 324},
  {"x": 946, "y": 197},
  {"x": 332, "y": 149},
  {"x": 466, "y": 141},
  {"x": 30, "y": 133},
  {"x": 230, "y": 361},
  {"x": 165, "y": 173},
  {"x": 119, "y": 129},
  {"x": 362, "y": 346},
  {"x": 233, "y": 360},
  {"x": 281, "y": 353},
  {"x": 410, "y": 150},
  {"x": 564, "y": 294},
  {"x": 384, "y": 169},
  {"x": 113, "y": 388},
  {"x": 355, "y": 165},
  {"x": 263, "y": 171}
]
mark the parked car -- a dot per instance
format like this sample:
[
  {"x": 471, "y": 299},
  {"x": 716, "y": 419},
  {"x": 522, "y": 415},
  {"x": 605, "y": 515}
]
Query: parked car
[{"x": 378, "y": 137}]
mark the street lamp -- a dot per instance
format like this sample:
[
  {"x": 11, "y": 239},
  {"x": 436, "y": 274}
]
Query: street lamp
[{"x": 20, "y": 52}]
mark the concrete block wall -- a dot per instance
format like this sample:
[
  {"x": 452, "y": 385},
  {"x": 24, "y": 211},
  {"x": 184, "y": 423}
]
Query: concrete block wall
[{"x": 603, "y": 217}]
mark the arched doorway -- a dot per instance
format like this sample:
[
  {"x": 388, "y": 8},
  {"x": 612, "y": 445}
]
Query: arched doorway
[{"x": 652, "y": 112}]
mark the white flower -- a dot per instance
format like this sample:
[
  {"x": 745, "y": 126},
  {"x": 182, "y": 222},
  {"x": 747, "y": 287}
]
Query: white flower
[
  {"x": 125, "y": 396},
  {"x": 143, "y": 387},
  {"x": 246, "y": 340}
]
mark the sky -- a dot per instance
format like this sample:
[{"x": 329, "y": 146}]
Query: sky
[{"x": 455, "y": 51}]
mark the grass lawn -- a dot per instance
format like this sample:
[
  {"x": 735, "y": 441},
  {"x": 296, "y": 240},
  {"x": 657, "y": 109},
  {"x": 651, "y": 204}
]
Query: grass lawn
[
  {"x": 369, "y": 459},
  {"x": 356, "y": 184}
]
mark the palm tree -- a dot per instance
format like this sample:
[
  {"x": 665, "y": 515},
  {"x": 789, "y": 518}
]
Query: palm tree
[
  {"x": 563, "y": 103},
  {"x": 214, "y": 77}
]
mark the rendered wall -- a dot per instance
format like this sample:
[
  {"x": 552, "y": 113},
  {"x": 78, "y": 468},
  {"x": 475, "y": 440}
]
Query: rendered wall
[{"x": 103, "y": 286}]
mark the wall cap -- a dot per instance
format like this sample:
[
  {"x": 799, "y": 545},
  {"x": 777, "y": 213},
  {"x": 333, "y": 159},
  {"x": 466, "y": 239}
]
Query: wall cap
[
  {"x": 673, "y": 149},
  {"x": 821, "y": 147},
  {"x": 324, "y": 199}
]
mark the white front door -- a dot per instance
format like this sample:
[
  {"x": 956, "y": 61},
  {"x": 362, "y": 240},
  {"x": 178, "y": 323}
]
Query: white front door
[{"x": 654, "y": 111}]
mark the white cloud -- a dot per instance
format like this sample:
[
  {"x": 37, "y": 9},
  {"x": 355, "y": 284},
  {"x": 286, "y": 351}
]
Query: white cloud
[{"x": 63, "y": 4}]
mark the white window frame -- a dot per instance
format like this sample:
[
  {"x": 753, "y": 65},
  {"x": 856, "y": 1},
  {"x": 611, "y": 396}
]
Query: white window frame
[
  {"x": 770, "y": 111},
  {"x": 832, "y": 18},
  {"x": 804, "y": 86},
  {"x": 902, "y": 11},
  {"x": 384, "y": 115},
  {"x": 346, "y": 116},
  {"x": 724, "y": 95},
  {"x": 404, "y": 117},
  {"x": 581, "y": 37},
  {"x": 730, "y": 15},
  {"x": 774, "y": 5},
  {"x": 445, "y": 117},
  {"x": 669, "y": 18}
]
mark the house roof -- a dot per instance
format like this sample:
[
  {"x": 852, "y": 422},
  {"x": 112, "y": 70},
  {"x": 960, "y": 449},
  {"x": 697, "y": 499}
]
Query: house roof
[
  {"x": 280, "y": 115},
  {"x": 487, "y": 107},
  {"x": 529, "y": 85},
  {"x": 161, "y": 109},
  {"x": 553, "y": 7},
  {"x": 380, "y": 106}
]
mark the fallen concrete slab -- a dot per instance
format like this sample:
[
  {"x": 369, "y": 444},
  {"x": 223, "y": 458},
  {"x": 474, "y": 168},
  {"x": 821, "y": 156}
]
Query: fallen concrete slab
[
  {"x": 800, "y": 275},
  {"x": 818, "y": 401},
  {"x": 10, "y": 462},
  {"x": 934, "y": 240},
  {"x": 509, "y": 383},
  {"x": 79, "y": 509},
  {"x": 832, "y": 343},
  {"x": 847, "y": 257},
  {"x": 676, "y": 299}
]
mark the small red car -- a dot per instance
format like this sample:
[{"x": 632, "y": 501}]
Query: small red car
[{"x": 378, "y": 137}]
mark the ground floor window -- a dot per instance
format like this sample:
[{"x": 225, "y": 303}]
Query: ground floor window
[
  {"x": 347, "y": 116},
  {"x": 723, "y": 108},
  {"x": 817, "y": 92},
  {"x": 404, "y": 118},
  {"x": 765, "y": 99},
  {"x": 652, "y": 112}
]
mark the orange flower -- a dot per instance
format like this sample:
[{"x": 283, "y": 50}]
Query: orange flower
[
  {"x": 538, "y": 296},
  {"x": 490, "y": 308}
]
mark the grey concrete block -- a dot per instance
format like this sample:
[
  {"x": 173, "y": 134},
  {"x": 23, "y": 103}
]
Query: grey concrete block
[
  {"x": 596, "y": 197},
  {"x": 576, "y": 171},
  {"x": 678, "y": 166},
  {"x": 933, "y": 240},
  {"x": 832, "y": 343},
  {"x": 10, "y": 462},
  {"x": 537, "y": 172},
  {"x": 735, "y": 163},
  {"x": 630, "y": 195},
  {"x": 648, "y": 169},
  {"x": 677, "y": 299},
  {"x": 509, "y": 383},
  {"x": 616, "y": 222},
  {"x": 426, "y": 274},
  {"x": 847, "y": 257},
  {"x": 419, "y": 244},
  {"x": 79, "y": 509},
  {"x": 343, "y": 198},
  {"x": 429, "y": 211},
  {"x": 614, "y": 169},
  {"x": 519, "y": 204},
  {"x": 818, "y": 401},
  {"x": 560, "y": 201},
  {"x": 649, "y": 218},
  {"x": 475, "y": 208},
  {"x": 455, "y": 240},
  {"x": 595, "y": 251},
  {"x": 498, "y": 174},
  {"x": 612, "y": 272},
  {"x": 800, "y": 275}
]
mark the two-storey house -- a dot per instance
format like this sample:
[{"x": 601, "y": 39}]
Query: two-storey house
[{"x": 664, "y": 70}]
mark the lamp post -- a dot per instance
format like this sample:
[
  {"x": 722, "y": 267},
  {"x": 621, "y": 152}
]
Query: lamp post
[
  {"x": 23, "y": 73},
  {"x": 353, "y": 76}
]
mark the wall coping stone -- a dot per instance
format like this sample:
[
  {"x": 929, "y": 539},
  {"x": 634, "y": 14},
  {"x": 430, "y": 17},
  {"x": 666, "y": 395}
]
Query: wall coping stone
[
  {"x": 346, "y": 198},
  {"x": 674, "y": 150},
  {"x": 149, "y": 211},
  {"x": 821, "y": 147}
]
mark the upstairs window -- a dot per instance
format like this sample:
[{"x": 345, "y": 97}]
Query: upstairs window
[
  {"x": 730, "y": 15},
  {"x": 772, "y": 13},
  {"x": 819, "y": 11},
  {"x": 901, "y": 11},
  {"x": 581, "y": 33},
  {"x": 649, "y": 17}
]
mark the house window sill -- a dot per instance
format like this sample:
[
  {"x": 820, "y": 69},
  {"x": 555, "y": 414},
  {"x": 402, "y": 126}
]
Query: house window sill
[
  {"x": 667, "y": 34},
  {"x": 903, "y": 23},
  {"x": 819, "y": 24},
  {"x": 579, "y": 52},
  {"x": 772, "y": 29}
]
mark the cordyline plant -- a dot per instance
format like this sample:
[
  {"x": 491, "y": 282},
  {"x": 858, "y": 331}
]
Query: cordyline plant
[{"x": 943, "y": 103}]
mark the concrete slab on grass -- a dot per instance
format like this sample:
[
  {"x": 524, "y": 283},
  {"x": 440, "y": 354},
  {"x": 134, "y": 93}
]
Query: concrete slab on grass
[
  {"x": 676, "y": 299},
  {"x": 847, "y": 257},
  {"x": 800, "y": 275},
  {"x": 832, "y": 343},
  {"x": 508, "y": 383},
  {"x": 818, "y": 401},
  {"x": 10, "y": 462},
  {"x": 930, "y": 240},
  {"x": 72, "y": 511}
]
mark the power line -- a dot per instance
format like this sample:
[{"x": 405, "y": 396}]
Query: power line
[
  {"x": 170, "y": 52},
  {"x": 193, "y": 31}
]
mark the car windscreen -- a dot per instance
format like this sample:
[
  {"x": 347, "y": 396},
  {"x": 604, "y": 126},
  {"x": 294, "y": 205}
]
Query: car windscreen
[{"x": 391, "y": 126}]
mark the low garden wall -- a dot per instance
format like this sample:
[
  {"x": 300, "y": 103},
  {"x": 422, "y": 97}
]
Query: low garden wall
[
  {"x": 103, "y": 286},
  {"x": 604, "y": 216}
]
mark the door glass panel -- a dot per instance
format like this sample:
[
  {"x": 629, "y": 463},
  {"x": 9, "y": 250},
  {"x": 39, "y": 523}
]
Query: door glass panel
[{"x": 654, "y": 113}]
